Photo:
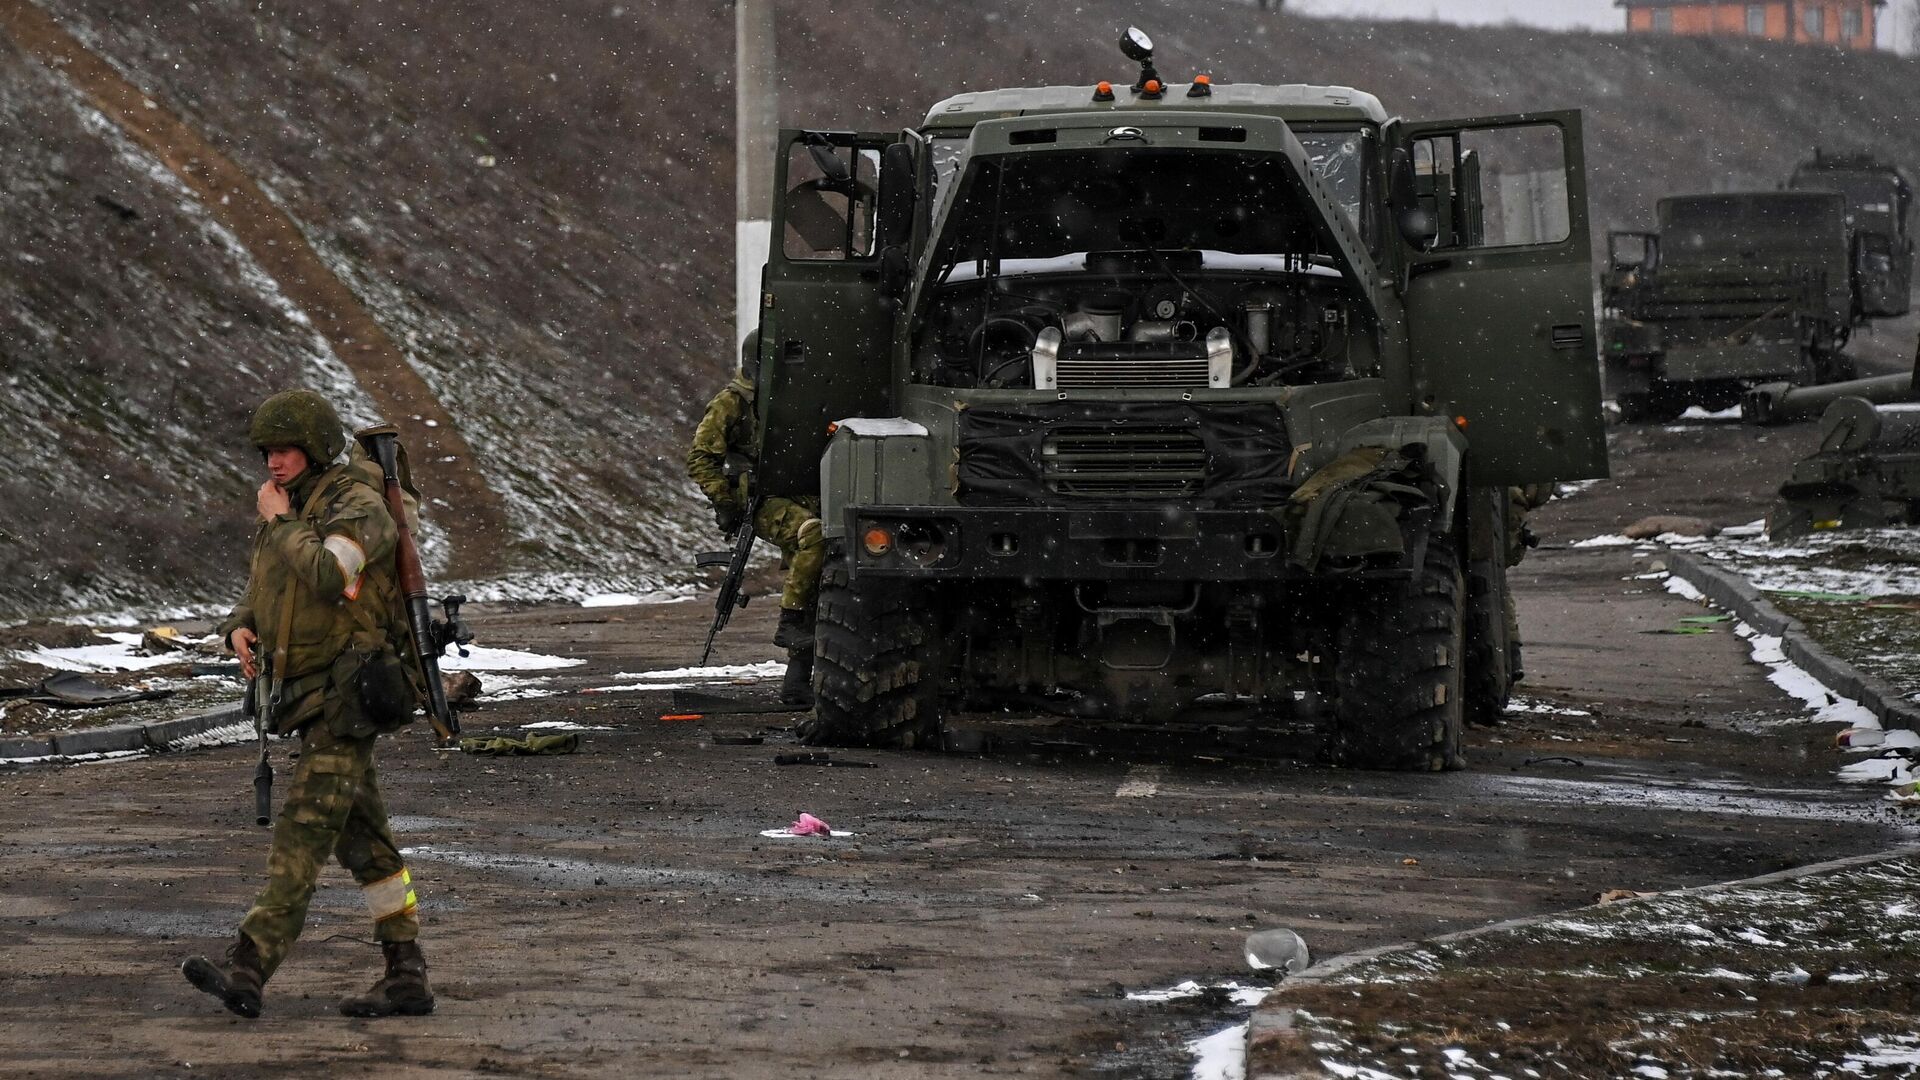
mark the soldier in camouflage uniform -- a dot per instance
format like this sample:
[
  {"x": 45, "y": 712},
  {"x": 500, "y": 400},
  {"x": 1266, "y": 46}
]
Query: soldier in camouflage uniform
[
  {"x": 725, "y": 448},
  {"x": 323, "y": 607}
]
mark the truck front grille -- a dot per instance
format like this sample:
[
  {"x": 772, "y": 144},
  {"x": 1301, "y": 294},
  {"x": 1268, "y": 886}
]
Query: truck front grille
[{"x": 1149, "y": 463}]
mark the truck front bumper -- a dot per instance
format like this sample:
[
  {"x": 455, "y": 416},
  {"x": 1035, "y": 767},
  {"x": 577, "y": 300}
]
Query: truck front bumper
[{"x": 1161, "y": 544}]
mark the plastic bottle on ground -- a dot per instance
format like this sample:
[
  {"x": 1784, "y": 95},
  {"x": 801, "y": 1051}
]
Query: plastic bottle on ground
[{"x": 1277, "y": 950}]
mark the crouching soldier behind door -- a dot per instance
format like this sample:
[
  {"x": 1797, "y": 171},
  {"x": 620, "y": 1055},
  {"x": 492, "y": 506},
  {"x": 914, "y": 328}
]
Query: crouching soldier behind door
[
  {"x": 323, "y": 631},
  {"x": 725, "y": 449}
]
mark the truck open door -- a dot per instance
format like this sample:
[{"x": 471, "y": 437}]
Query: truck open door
[
  {"x": 826, "y": 316},
  {"x": 1499, "y": 294}
]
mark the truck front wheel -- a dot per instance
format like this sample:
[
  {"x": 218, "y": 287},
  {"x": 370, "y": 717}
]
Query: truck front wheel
[
  {"x": 1398, "y": 671},
  {"x": 876, "y": 670}
]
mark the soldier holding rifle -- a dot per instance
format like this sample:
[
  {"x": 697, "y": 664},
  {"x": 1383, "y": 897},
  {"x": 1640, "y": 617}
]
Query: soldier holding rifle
[
  {"x": 721, "y": 460},
  {"x": 324, "y": 634}
]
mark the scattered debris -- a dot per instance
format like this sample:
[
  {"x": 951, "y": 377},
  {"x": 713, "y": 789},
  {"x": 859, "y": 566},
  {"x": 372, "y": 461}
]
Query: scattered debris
[
  {"x": 463, "y": 689},
  {"x": 70, "y": 690},
  {"x": 694, "y": 701},
  {"x": 1648, "y": 528},
  {"x": 804, "y": 825},
  {"x": 163, "y": 639},
  {"x": 1279, "y": 949},
  {"x": 808, "y": 825},
  {"x": 501, "y": 746},
  {"x": 1614, "y": 896},
  {"x": 817, "y": 758},
  {"x": 735, "y": 738}
]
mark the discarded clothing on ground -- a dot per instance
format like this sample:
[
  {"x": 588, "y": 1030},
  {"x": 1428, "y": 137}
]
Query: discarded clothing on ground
[
  {"x": 70, "y": 690},
  {"x": 808, "y": 825},
  {"x": 501, "y": 746}
]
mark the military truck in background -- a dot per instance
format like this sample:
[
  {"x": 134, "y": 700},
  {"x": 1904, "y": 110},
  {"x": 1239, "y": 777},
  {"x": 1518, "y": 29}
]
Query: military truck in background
[
  {"x": 1176, "y": 401},
  {"x": 1879, "y": 202},
  {"x": 1733, "y": 290}
]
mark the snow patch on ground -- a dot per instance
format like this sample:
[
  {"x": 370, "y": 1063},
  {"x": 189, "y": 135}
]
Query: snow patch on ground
[
  {"x": 516, "y": 688},
  {"x": 122, "y": 654},
  {"x": 560, "y": 725},
  {"x": 482, "y": 658},
  {"x": 789, "y": 834},
  {"x": 1683, "y": 589},
  {"x": 1611, "y": 540},
  {"x": 226, "y": 735},
  {"x": 1695, "y": 412},
  {"x": 767, "y": 669},
  {"x": 627, "y": 599},
  {"x": 1828, "y": 707},
  {"x": 1221, "y": 1055},
  {"x": 1522, "y": 705}
]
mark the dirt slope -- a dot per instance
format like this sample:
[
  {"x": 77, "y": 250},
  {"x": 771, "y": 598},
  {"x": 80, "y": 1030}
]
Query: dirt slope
[{"x": 534, "y": 201}]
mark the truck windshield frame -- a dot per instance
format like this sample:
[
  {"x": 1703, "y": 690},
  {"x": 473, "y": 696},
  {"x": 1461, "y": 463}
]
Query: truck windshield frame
[{"x": 1040, "y": 206}]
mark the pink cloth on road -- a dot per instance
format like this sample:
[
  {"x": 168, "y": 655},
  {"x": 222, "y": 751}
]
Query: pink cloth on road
[{"x": 808, "y": 825}]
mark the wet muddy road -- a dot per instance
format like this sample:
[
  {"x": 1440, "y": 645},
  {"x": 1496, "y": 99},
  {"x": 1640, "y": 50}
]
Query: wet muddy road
[{"x": 618, "y": 912}]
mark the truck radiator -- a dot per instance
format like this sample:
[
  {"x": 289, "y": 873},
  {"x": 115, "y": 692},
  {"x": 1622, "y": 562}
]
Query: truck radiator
[
  {"x": 1089, "y": 372},
  {"x": 1145, "y": 463}
]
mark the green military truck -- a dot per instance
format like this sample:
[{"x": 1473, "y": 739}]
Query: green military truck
[
  {"x": 1169, "y": 402},
  {"x": 1879, "y": 202},
  {"x": 1733, "y": 290}
]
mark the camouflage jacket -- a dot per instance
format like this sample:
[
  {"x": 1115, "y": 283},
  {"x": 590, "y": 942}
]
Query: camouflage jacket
[
  {"x": 729, "y": 429},
  {"x": 326, "y": 572}
]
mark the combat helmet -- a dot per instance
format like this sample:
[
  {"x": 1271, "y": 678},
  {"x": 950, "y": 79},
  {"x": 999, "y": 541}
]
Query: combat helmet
[{"x": 299, "y": 418}]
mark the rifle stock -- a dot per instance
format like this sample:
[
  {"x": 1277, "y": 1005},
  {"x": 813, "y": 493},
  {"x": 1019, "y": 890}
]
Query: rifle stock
[{"x": 383, "y": 444}]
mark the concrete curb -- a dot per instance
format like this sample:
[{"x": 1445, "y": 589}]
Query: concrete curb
[
  {"x": 1271, "y": 1028},
  {"x": 119, "y": 738},
  {"x": 1738, "y": 596}
]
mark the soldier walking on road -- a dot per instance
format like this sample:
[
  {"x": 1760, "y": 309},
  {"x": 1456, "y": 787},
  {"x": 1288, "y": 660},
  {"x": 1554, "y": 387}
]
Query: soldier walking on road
[
  {"x": 323, "y": 628},
  {"x": 725, "y": 449}
]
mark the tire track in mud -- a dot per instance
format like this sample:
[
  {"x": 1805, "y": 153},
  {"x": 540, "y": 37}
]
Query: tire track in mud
[{"x": 476, "y": 517}]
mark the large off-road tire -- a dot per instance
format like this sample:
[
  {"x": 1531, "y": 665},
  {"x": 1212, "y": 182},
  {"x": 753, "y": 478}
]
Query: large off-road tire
[
  {"x": 876, "y": 666},
  {"x": 1492, "y": 653},
  {"x": 1399, "y": 661},
  {"x": 1833, "y": 367},
  {"x": 1658, "y": 406},
  {"x": 1493, "y": 647}
]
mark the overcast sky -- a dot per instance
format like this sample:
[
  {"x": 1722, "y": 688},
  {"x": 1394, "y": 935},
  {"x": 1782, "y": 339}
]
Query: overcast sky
[{"x": 1593, "y": 14}]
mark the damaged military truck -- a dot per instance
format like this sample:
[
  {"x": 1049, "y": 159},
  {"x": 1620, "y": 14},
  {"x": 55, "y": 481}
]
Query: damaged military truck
[
  {"x": 1168, "y": 401},
  {"x": 1733, "y": 290},
  {"x": 1879, "y": 204}
]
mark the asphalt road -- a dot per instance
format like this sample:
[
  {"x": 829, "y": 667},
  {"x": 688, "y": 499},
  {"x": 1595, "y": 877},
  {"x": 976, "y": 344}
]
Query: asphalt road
[{"x": 617, "y": 912}]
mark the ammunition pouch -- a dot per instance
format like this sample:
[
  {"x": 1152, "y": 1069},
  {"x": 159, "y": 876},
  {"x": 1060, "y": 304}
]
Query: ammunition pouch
[{"x": 370, "y": 693}]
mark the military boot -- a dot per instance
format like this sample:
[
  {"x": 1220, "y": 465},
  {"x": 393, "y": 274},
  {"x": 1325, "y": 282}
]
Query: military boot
[
  {"x": 402, "y": 991},
  {"x": 236, "y": 981},
  {"x": 795, "y": 630},
  {"x": 796, "y": 687}
]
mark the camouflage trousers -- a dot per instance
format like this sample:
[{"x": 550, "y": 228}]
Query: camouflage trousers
[
  {"x": 793, "y": 525},
  {"x": 333, "y": 807}
]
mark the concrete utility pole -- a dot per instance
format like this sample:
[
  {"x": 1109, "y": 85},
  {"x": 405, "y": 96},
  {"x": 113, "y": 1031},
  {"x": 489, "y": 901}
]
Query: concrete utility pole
[{"x": 756, "y": 102}]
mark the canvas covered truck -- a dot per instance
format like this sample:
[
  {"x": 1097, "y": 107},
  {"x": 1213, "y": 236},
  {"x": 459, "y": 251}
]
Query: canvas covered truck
[
  {"x": 1733, "y": 290},
  {"x": 1175, "y": 400}
]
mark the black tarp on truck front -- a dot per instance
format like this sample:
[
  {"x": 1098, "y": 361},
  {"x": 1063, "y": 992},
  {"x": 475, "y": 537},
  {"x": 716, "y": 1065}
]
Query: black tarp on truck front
[{"x": 1123, "y": 452}]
